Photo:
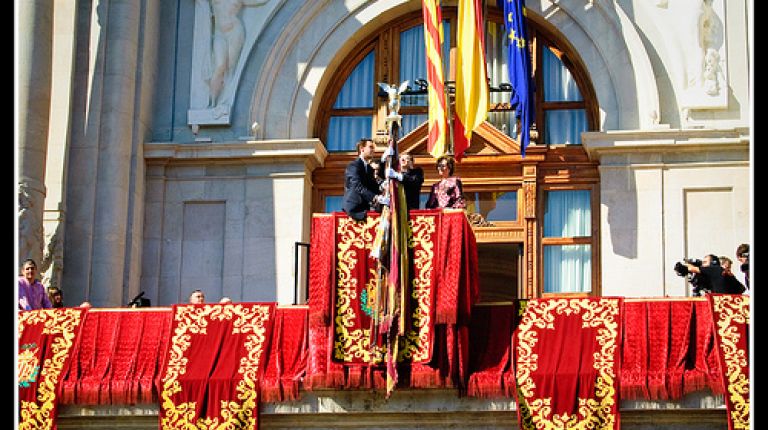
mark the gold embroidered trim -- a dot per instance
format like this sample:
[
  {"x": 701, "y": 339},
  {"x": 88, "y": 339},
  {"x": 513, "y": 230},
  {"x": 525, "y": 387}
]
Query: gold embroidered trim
[
  {"x": 732, "y": 310},
  {"x": 354, "y": 344},
  {"x": 193, "y": 320},
  {"x": 63, "y": 322},
  {"x": 592, "y": 413}
]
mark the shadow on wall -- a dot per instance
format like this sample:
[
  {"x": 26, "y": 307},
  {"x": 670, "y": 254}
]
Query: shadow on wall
[{"x": 621, "y": 205}]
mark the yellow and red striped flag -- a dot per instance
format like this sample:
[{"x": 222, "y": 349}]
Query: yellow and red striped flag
[
  {"x": 433, "y": 42},
  {"x": 471, "y": 77}
]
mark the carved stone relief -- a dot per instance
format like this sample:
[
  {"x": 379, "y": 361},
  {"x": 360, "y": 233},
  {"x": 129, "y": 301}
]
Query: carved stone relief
[
  {"x": 224, "y": 33},
  {"x": 30, "y": 225},
  {"x": 706, "y": 84}
]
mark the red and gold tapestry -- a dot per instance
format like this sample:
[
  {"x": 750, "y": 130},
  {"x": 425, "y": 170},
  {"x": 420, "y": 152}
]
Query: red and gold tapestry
[
  {"x": 356, "y": 292},
  {"x": 731, "y": 316},
  {"x": 566, "y": 363},
  {"x": 46, "y": 337},
  {"x": 213, "y": 365}
]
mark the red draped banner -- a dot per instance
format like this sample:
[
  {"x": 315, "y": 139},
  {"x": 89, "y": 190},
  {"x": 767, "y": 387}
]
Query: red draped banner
[
  {"x": 731, "y": 317},
  {"x": 566, "y": 363},
  {"x": 356, "y": 292},
  {"x": 213, "y": 365},
  {"x": 45, "y": 339},
  {"x": 287, "y": 359},
  {"x": 668, "y": 349},
  {"x": 117, "y": 357}
]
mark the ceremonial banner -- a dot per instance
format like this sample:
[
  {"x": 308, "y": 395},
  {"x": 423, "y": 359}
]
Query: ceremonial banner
[
  {"x": 46, "y": 337},
  {"x": 519, "y": 66},
  {"x": 732, "y": 316},
  {"x": 213, "y": 365},
  {"x": 566, "y": 363},
  {"x": 356, "y": 294},
  {"x": 471, "y": 76},
  {"x": 433, "y": 42}
]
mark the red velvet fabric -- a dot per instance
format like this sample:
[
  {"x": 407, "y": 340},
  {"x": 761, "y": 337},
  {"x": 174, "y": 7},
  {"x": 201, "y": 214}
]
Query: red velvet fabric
[
  {"x": 731, "y": 315},
  {"x": 118, "y": 357},
  {"x": 214, "y": 364},
  {"x": 490, "y": 345},
  {"x": 457, "y": 274},
  {"x": 322, "y": 268},
  {"x": 566, "y": 358},
  {"x": 46, "y": 339},
  {"x": 668, "y": 349},
  {"x": 287, "y": 358}
]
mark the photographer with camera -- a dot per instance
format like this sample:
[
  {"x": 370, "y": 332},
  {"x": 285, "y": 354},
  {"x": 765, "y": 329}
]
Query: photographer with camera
[{"x": 707, "y": 276}]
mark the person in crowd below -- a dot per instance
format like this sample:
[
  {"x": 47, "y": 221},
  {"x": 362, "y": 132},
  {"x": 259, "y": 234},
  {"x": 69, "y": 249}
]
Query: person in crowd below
[
  {"x": 742, "y": 254},
  {"x": 56, "y": 297},
  {"x": 448, "y": 192},
  {"x": 32, "y": 294},
  {"x": 197, "y": 297},
  {"x": 712, "y": 277},
  {"x": 361, "y": 190},
  {"x": 411, "y": 177}
]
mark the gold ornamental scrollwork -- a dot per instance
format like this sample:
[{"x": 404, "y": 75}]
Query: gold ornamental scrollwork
[
  {"x": 352, "y": 344},
  {"x": 193, "y": 320},
  {"x": 731, "y": 311},
  {"x": 591, "y": 413},
  {"x": 60, "y": 323}
]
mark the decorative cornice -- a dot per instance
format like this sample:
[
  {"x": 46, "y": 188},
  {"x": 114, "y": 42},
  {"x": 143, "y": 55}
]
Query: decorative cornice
[
  {"x": 309, "y": 150},
  {"x": 597, "y": 144}
]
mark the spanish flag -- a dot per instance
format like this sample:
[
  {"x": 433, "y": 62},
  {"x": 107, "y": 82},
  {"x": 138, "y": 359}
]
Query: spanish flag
[
  {"x": 433, "y": 42},
  {"x": 471, "y": 78}
]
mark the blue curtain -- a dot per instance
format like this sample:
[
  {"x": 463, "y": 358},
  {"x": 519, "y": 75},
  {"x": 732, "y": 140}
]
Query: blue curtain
[
  {"x": 567, "y": 268},
  {"x": 568, "y": 214},
  {"x": 345, "y": 131},
  {"x": 565, "y": 126},
  {"x": 562, "y": 126},
  {"x": 359, "y": 89},
  {"x": 358, "y": 92},
  {"x": 559, "y": 85}
]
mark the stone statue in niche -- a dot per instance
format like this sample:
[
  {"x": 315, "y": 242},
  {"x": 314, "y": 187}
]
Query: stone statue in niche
[
  {"x": 227, "y": 42},
  {"x": 706, "y": 71},
  {"x": 712, "y": 73},
  {"x": 222, "y": 30},
  {"x": 704, "y": 50}
]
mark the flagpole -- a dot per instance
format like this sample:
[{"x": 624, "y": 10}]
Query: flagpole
[{"x": 447, "y": 90}]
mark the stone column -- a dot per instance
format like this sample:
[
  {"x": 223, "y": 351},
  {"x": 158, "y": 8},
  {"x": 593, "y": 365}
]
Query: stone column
[
  {"x": 34, "y": 84},
  {"x": 110, "y": 220}
]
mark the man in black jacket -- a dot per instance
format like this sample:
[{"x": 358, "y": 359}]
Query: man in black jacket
[{"x": 361, "y": 189}]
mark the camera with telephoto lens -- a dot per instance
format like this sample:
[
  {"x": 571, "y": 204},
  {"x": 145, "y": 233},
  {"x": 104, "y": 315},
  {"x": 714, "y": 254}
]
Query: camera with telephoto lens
[{"x": 681, "y": 268}]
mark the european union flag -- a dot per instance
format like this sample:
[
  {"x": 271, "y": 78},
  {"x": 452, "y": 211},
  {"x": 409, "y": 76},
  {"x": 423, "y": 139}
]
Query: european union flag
[{"x": 519, "y": 62}]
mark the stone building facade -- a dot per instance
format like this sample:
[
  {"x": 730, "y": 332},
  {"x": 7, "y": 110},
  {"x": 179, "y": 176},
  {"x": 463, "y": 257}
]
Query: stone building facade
[{"x": 170, "y": 146}]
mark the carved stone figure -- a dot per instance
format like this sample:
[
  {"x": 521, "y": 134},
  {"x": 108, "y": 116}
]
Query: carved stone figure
[
  {"x": 30, "y": 225},
  {"x": 393, "y": 93}
]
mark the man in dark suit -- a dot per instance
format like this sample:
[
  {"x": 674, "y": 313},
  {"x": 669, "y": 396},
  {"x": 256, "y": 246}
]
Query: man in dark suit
[{"x": 361, "y": 190}]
